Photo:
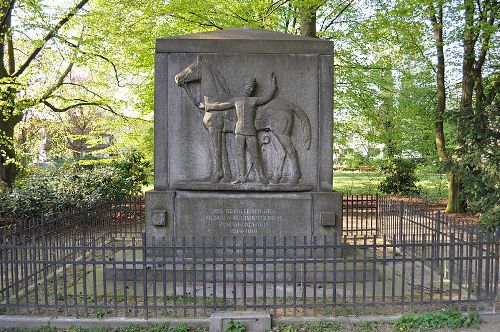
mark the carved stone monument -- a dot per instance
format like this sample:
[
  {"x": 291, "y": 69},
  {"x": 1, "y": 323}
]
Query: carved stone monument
[{"x": 243, "y": 136}]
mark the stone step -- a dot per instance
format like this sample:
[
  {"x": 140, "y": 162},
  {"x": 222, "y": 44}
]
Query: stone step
[{"x": 280, "y": 272}]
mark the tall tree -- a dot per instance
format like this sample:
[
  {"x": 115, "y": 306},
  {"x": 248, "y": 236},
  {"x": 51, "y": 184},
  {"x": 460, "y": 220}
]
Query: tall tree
[
  {"x": 11, "y": 78},
  {"x": 435, "y": 10},
  {"x": 480, "y": 27}
]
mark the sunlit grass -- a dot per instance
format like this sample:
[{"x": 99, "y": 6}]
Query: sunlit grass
[{"x": 432, "y": 185}]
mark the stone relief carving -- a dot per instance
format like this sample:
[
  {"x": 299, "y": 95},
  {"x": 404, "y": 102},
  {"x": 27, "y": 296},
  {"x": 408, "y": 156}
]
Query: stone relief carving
[{"x": 246, "y": 117}]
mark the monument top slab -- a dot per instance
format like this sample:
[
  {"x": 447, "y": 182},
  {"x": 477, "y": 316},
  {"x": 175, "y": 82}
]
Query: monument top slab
[{"x": 243, "y": 40}]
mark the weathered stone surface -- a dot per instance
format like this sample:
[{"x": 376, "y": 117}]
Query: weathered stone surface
[
  {"x": 243, "y": 157},
  {"x": 227, "y": 214},
  {"x": 254, "y": 321}
]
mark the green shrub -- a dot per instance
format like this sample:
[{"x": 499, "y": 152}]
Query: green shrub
[
  {"x": 63, "y": 185},
  {"x": 490, "y": 219},
  {"x": 438, "y": 319},
  {"x": 233, "y": 326},
  {"x": 400, "y": 178}
]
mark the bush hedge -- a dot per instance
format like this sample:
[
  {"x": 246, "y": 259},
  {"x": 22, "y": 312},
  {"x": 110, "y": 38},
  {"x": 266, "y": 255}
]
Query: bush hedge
[{"x": 71, "y": 184}]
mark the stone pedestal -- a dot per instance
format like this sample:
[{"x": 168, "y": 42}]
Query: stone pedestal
[{"x": 228, "y": 214}]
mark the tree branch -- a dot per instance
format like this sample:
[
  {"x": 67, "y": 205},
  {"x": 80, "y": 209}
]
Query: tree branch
[
  {"x": 115, "y": 69},
  {"x": 64, "y": 109},
  {"x": 338, "y": 15},
  {"x": 58, "y": 83},
  {"x": 49, "y": 36}
]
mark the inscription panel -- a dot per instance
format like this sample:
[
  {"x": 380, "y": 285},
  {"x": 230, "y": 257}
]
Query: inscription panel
[{"x": 227, "y": 215}]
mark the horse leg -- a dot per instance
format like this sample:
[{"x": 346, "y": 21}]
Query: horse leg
[
  {"x": 226, "y": 168},
  {"x": 216, "y": 139},
  {"x": 279, "y": 161},
  {"x": 291, "y": 153}
]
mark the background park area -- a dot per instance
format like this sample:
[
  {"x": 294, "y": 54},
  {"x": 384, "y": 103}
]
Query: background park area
[{"x": 415, "y": 155}]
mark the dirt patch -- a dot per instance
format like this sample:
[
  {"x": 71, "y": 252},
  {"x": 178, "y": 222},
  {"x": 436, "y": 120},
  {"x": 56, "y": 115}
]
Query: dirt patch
[{"x": 437, "y": 205}]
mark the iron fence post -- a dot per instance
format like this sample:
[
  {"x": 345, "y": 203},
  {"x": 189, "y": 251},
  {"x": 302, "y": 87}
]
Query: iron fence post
[{"x": 401, "y": 217}]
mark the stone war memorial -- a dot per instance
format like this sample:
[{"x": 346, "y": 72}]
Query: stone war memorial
[{"x": 243, "y": 137}]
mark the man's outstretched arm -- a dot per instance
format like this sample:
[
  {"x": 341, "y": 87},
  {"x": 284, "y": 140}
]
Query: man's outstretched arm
[{"x": 216, "y": 106}]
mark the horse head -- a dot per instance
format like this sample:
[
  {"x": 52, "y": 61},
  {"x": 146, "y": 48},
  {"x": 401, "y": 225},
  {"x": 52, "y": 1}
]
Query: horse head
[{"x": 192, "y": 73}]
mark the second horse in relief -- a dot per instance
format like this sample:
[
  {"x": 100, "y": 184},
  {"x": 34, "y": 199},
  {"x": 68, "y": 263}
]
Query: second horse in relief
[{"x": 276, "y": 115}]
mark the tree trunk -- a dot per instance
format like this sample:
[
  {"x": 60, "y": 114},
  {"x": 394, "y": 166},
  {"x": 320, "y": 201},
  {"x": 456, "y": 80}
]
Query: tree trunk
[
  {"x": 455, "y": 203},
  {"x": 308, "y": 21},
  {"x": 436, "y": 17},
  {"x": 8, "y": 169}
]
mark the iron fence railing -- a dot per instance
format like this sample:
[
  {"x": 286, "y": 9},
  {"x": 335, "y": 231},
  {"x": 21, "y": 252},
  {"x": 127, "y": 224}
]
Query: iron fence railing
[{"x": 390, "y": 256}]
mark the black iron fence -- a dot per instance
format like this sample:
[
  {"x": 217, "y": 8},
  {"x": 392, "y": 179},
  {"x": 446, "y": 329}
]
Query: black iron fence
[{"x": 98, "y": 263}]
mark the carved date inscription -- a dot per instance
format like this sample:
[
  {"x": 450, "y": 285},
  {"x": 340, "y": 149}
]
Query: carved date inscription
[{"x": 242, "y": 221}]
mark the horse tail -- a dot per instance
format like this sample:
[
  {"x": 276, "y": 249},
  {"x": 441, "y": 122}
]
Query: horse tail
[{"x": 305, "y": 125}]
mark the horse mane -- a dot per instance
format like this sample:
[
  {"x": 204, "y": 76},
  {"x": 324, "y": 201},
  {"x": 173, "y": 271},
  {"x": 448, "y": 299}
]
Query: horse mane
[{"x": 219, "y": 79}]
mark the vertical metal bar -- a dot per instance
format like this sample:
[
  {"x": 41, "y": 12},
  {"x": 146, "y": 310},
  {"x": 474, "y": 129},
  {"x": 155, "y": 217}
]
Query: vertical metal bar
[
  {"x": 334, "y": 270},
  {"x": 294, "y": 275},
  {"x": 74, "y": 273},
  {"x": 384, "y": 265},
  {"x": 114, "y": 249},
  {"x": 245, "y": 263},
  {"x": 315, "y": 273},
  {"x": 343, "y": 252},
  {"x": 275, "y": 281},
  {"x": 214, "y": 279},
  {"x": 204, "y": 275},
  {"x": 174, "y": 275},
  {"x": 365, "y": 268},
  {"x": 264, "y": 271},
  {"x": 325, "y": 271},
  {"x": 184, "y": 277},
  {"x": 193, "y": 243},
  {"x": 154, "y": 270},
  {"x": 285, "y": 273},
  {"x": 412, "y": 280},
  {"x": 124, "y": 276},
  {"x": 234, "y": 273},
  {"x": 36, "y": 267},
  {"x": 25, "y": 258},
  {"x": 452, "y": 265},
  {"x": 224, "y": 273},
  {"x": 254, "y": 264},
  {"x": 104, "y": 277},
  {"x": 94, "y": 275},
  {"x": 304, "y": 274},
  {"x": 134, "y": 274},
  {"x": 393, "y": 285},
  {"x": 84, "y": 267},
  {"x": 374, "y": 266},
  {"x": 145, "y": 275},
  {"x": 164, "y": 274},
  {"x": 354, "y": 273}
]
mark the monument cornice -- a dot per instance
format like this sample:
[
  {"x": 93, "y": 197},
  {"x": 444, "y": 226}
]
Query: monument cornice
[{"x": 244, "y": 40}]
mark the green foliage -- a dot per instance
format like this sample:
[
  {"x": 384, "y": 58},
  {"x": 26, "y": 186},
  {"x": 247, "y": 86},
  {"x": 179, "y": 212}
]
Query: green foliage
[
  {"x": 491, "y": 218},
  {"x": 201, "y": 329},
  {"x": 478, "y": 161},
  {"x": 131, "y": 328},
  {"x": 92, "y": 329},
  {"x": 400, "y": 178},
  {"x": 179, "y": 328},
  {"x": 438, "y": 319},
  {"x": 233, "y": 326},
  {"x": 367, "y": 326},
  {"x": 322, "y": 326},
  {"x": 42, "y": 190}
]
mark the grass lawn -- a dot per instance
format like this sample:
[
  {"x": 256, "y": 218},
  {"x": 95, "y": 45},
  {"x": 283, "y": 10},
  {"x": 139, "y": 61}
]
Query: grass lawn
[{"x": 432, "y": 185}]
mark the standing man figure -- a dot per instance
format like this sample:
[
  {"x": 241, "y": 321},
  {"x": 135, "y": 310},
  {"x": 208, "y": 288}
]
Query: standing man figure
[{"x": 246, "y": 134}]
